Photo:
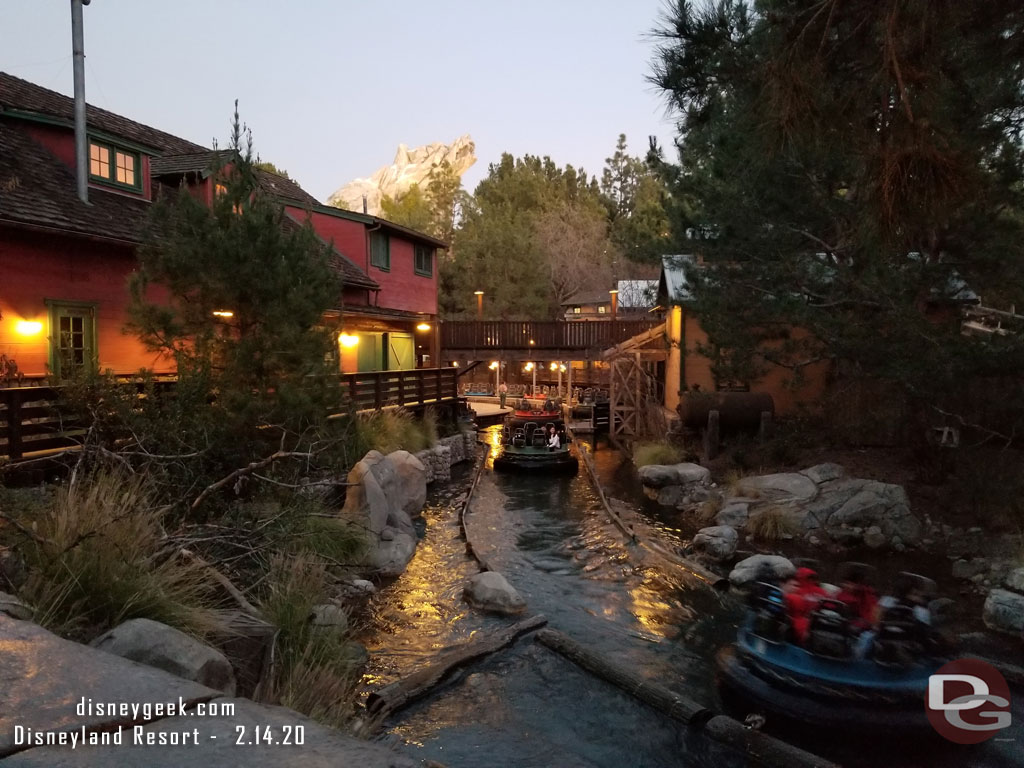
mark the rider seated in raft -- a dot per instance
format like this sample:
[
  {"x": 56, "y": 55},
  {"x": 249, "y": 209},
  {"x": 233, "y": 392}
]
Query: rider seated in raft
[
  {"x": 554, "y": 443},
  {"x": 802, "y": 596}
]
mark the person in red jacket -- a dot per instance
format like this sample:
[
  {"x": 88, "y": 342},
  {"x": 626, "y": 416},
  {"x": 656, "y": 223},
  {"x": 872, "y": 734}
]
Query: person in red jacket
[
  {"x": 802, "y": 595},
  {"x": 861, "y": 601}
]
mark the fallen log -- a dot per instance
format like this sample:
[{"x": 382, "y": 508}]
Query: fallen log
[
  {"x": 658, "y": 696},
  {"x": 764, "y": 749},
  {"x": 393, "y": 697},
  {"x": 470, "y": 549}
]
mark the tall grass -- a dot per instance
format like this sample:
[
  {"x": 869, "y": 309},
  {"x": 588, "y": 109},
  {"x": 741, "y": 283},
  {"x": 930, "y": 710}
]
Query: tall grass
[
  {"x": 316, "y": 667},
  {"x": 394, "y": 430},
  {"x": 96, "y": 560},
  {"x": 661, "y": 452},
  {"x": 770, "y": 524}
]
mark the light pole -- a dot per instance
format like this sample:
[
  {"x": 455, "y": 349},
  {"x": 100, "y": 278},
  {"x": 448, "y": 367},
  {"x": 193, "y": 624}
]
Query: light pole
[
  {"x": 479, "y": 304},
  {"x": 533, "y": 367},
  {"x": 496, "y": 367},
  {"x": 615, "y": 301}
]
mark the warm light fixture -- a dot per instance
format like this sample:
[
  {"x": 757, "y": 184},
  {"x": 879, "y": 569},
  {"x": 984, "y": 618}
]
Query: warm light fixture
[
  {"x": 554, "y": 366},
  {"x": 493, "y": 365},
  {"x": 348, "y": 341},
  {"x": 423, "y": 327},
  {"x": 478, "y": 293},
  {"x": 614, "y": 290},
  {"x": 562, "y": 367},
  {"x": 528, "y": 368},
  {"x": 28, "y": 327},
  {"x": 531, "y": 341},
  {"x": 223, "y": 313},
  {"x": 455, "y": 363}
]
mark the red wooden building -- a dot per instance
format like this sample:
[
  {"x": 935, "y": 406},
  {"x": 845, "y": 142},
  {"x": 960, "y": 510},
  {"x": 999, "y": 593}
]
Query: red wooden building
[{"x": 64, "y": 264}]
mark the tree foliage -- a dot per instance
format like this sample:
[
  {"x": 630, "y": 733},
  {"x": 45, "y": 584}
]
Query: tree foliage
[
  {"x": 637, "y": 198},
  {"x": 512, "y": 231},
  {"x": 857, "y": 171},
  {"x": 265, "y": 362}
]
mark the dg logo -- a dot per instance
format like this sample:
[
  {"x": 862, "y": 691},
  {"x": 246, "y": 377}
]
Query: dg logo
[{"x": 968, "y": 701}]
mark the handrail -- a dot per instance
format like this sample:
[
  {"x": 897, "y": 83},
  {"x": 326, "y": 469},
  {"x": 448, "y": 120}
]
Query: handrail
[{"x": 540, "y": 335}]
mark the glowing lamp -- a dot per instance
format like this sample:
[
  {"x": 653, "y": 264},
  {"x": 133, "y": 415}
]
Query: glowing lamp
[
  {"x": 423, "y": 327},
  {"x": 455, "y": 363},
  {"x": 528, "y": 367},
  {"x": 554, "y": 366},
  {"x": 348, "y": 341},
  {"x": 28, "y": 327},
  {"x": 493, "y": 365},
  {"x": 478, "y": 293},
  {"x": 223, "y": 313}
]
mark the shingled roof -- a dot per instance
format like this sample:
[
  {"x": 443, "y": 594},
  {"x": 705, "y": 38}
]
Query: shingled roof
[
  {"x": 38, "y": 189},
  {"x": 19, "y": 95},
  {"x": 351, "y": 275}
]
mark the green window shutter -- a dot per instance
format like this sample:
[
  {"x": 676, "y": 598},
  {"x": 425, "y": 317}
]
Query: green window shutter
[
  {"x": 424, "y": 261},
  {"x": 380, "y": 250}
]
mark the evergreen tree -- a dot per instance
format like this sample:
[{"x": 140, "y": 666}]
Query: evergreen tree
[
  {"x": 857, "y": 168},
  {"x": 240, "y": 291},
  {"x": 636, "y": 197}
]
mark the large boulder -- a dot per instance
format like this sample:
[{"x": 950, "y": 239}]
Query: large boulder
[
  {"x": 490, "y": 591},
  {"x": 1004, "y": 611},
  {"x": 14, "y": 608},
  {"x": 158, "y": 645},
  {"x": 412, "y": 481},
  {"x": 717, "y": 542},
  {"x": 754, "y": 567},
  {"x": 823, "y": 473},
  {"x": 1015, "y": 580},
  {"x": 733, "y": 514},
  {"x": 384, "y": 493},
  {"x": 661, "y": 475},
  {"x": 786, "y": 485}
]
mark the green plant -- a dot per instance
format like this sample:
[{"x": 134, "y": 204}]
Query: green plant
[
  {"x": 770, "y": 524},
  {"x": 661, "y": 452},
  {"x": 96, "y": 558},
  {"x": 394, "y": 429}
]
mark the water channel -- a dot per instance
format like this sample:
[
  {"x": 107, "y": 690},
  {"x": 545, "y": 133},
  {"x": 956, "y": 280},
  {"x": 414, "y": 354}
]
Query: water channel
[{"x": 529, "y": 707}]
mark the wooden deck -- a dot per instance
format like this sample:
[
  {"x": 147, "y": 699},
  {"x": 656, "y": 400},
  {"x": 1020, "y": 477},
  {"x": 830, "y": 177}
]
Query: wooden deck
[
  {"x": 564, "y": 340},
  {"x": 32, "y": 425}
]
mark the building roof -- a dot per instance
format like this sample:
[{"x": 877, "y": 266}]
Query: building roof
[
  {"x": 588, "y": 297},
  {"x": 21, "y": 96},
  {"x": 188, "y": 162},
  {"x": 37, "y": 189},
  {"x": 351, "y": 275},
  {"x": 372, "y": 221}
]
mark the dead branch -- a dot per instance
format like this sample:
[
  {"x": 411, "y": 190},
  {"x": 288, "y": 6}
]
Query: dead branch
[
  {"x": 223, "y": 580},
  {"x": 248, "y": 470}
]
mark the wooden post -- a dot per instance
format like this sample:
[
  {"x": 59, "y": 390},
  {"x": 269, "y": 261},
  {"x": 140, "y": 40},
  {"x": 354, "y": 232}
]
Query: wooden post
[
  {"x": 711, "y": 435},
  {"x": 420, "y": 375},
  {"x": 568, "y": 386},
  {"x": 440, "y": 388},
  {"x": 14, "y": 446},
  {"x": 377, "y": 399},
  {"x": 674, "y": 364}
]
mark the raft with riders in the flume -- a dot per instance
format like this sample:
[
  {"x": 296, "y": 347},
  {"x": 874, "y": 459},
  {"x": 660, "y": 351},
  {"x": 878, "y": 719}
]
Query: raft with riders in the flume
[
  {"x": 851, "y": 661},
  {"x": 534, "y": 439}
]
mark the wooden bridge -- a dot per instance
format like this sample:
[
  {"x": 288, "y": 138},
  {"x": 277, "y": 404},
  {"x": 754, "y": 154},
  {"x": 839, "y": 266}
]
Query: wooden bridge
[
  {"x": 32, "y": 425},
  {"x": 465, "y": 341}
]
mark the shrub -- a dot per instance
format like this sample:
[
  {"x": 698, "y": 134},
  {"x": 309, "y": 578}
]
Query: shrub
[
  {"x": 393, "y": 430},
  {"x": 708, "y": 510},
  {"x": 661, "y": 452},
  {"x": 770, "y": 524},
  {"x": 95, "y": 560}
]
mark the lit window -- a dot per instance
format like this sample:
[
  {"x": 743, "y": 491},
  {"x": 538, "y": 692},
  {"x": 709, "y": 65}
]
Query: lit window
[
  {"x": 576, "y": 310},
  {"x": 424, "y": 261},
  {"x": 602, "y": 309},
  {"x": 118, "y": 167},
  {"x": 125, "y": 168},
  {"x": 99, "y": 161}
]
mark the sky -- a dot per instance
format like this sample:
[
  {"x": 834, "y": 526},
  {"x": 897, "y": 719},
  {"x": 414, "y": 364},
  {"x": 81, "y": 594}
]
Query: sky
[{"x": 330, "y": 88}]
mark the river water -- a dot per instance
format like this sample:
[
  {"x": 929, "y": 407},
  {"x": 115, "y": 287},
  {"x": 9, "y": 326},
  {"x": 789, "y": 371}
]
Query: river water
[{"x": 527, "y": 706}]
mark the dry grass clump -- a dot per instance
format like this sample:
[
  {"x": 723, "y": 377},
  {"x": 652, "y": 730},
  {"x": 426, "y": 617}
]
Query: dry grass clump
[
  {"x": 735, "y": 486},
  {"x": 315, "y": 667},
  {"x": 708, "y": 510},
  {"x": 96, "y": 558},
  {"x": 396, "y": 429},
  {"x": 661, "y": 452},
  {"x": 770, "y": 524}
]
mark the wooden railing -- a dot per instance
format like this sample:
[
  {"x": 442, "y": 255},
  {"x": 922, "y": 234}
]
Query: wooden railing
[
  {"x": 30, "y": 422},
  {"x": 524, "y": 335},
  {"x": 381, "y": 389}
]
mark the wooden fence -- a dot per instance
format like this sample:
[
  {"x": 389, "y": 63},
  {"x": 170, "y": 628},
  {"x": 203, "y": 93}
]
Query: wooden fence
[
  {"x": 31, "y": 424},
  {"x": 527, "y": 334}
]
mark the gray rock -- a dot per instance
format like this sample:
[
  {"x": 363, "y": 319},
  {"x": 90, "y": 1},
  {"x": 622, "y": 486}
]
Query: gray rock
[
  {"x": 1004, "y": 611},
  {"x": 672, "y": 495},
  {"x": 1015, "y": 580},
  {"x": 389, "y": 558},
  {"x": 786, "y": 485},
  {"x": 12, "y": 567},
  {"x": 490, "y": 591},
  {"x": 823, "y": 473},
  {"x": 965, "y": 569},
  {"x": 814, "y": 541},
  {"x": 364, "y": 586},
  {"x": 330, "y": 615},
  {"x": 158, "y": 645},
  {"x": 412, "y": 481},
  {"x": 14, "y": 608},
  {"x": 734, "y": 514},
  {"x": 874, "y": 537},
  {"x": 717, "y": 542},
  {"x": 660, "y": 475},
  {"x": 751, "y": 568}
]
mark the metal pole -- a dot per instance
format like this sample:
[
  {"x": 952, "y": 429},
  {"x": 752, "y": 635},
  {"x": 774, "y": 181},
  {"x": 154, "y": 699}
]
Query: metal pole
[
  {"x": 559, "y": 378},
  {"x": 534, "y": 379},
  {"x": 81, "y": 140}
]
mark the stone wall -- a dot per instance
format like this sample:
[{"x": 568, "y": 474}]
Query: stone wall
[{"x": 438, "y": 460}]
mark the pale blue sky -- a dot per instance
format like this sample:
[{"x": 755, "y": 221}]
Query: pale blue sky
[{"x": 331, "y": 87}]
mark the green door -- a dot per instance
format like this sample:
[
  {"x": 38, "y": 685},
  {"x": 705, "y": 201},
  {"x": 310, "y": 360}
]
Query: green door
[
  {"x": 72, "y": 338},
  {"x": 401, "y": 352},
  {"x": 371, "y": 352}
]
